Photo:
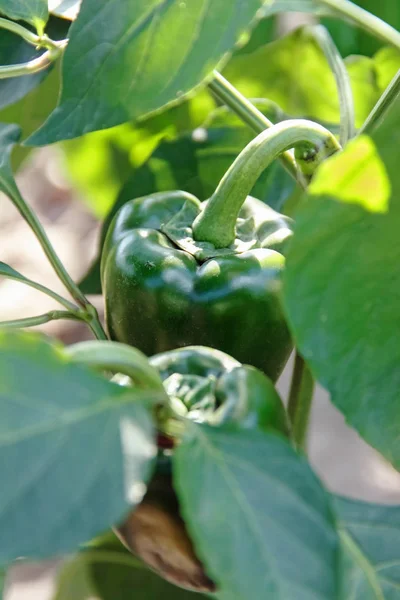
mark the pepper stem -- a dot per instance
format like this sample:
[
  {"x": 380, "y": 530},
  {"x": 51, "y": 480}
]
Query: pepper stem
[{"x": 217, "y": 223}]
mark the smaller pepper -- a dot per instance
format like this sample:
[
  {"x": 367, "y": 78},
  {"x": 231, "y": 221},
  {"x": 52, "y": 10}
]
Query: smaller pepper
[{"x": 208, "y": 386}]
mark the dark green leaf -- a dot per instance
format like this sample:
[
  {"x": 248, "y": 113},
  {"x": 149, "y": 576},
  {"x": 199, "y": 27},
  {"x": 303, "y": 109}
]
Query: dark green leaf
[
  {"x": 76, "y": 449},
  {"x": 342, "y": 284},
  {"x": 32, "y": 11},
  {"x": 259, "y": 517},
  {"x": 370, "y": 535},
  {"x": 293, "y": 72},
  {"x": 107, "y": 571},
  {"x": 68, "y": 9},
  {"x": 195, "y": 163},
  {"x": 136, "y": 56}
]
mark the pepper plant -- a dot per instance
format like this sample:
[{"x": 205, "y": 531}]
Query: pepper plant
[{"x": 249, "y": 189}]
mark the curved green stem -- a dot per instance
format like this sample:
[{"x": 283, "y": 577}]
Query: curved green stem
[
  {"x": 9, "y": 273},
  {"x": 364, "y": 19},
  {"x": 117, "y": 358},
  {"x": 385, "y": 101},
  {"x": 245, "y": 110},
  {"x": 300, "y": 401},
  {"x": 347, "y": 114},
  {"x": 32, "y": 66},
  {"x": 217, "y": 223},
  {"x": 28, "y": 36},
  {"x": 52, "y": 315},
  {"x": 40, "y": 41},
  {"x": 30, "y": 217}
]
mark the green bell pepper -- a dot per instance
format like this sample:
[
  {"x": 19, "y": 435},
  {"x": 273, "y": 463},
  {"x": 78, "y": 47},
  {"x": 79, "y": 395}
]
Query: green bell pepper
[
  {"x": 177, "y": 272},
  {"x": 159, "y": 296}
]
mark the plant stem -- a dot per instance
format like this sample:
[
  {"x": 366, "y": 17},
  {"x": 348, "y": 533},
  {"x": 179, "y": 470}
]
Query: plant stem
[
  {"x": 52, "y": 315},
  {"x": 385, "y": 101},
  {"x": 365, "y": 20},
  {"x": 117, "y": 358},
  {"x": 89, "y": 313},
  {"x": 41, "y": 288},
  {"x": 217, "y": 222},
  {"x": 28, "y": 36},
  {"x": 347, "y": 115},
  {"x": 249, "y": 114},
  {"x": 32, "y": 66},
  {"x": 30, "y": 217},
  {"x": 95, "y": 325},
  {"x": 300, "y": 401}
]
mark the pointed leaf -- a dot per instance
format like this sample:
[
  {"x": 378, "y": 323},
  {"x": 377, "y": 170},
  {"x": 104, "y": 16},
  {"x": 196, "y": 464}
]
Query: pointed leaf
[
  {"x": 342, "y": 284},
  {"x": 76, "y": 450},
  {"x": 136, "y": 56},
  {"x": 259, "y": 517}
]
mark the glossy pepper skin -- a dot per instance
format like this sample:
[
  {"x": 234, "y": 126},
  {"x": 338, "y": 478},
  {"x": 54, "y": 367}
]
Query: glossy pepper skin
[
  {"x": 163, "y": 290},
  {"x": 209, "y": 386}
]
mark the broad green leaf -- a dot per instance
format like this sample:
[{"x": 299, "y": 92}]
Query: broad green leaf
[
  {"x": 32, "y": 11},
  {"x": 137, "y": 56},
  {"x": 357, "y": 175},
  {"x": 76, "y": 450},
  {"x": 293, "y": 72},
  {"x": 2, "y": 582},
  {"x": 107, "y": 571},
  {"x": 342, "y": 288},
  {"x": 67, "y": 9},
  {"x": 370, "y": 537},
  {"x": 259, "y": 517},
  {"x": 195, "y": 163}
]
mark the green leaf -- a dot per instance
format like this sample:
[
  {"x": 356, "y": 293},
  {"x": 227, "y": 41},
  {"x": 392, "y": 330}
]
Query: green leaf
[
  {"x": 259, "y": 517},
  {"x": 32, "y": 11},
  {"x": 357, "y": 175},
  {"x": 137, "y": 56},
  {"x": 107, "y": 571},
  {"x": 342, "y": 288},
  {"x": 195, "y": 162},
  {"x": 370, "y": 534},
  {"x": 293, "y": 72},
  {"x": 67, "y": 9},
  {"x": 76, "y": 449}
]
